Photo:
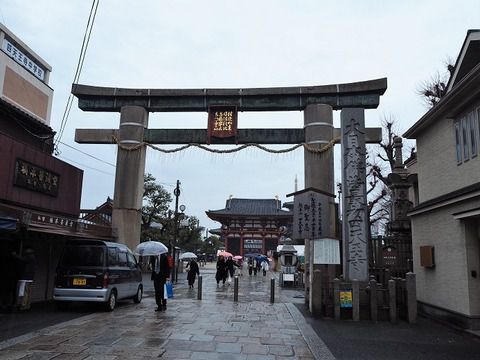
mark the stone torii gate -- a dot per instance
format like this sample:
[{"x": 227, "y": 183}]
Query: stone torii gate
[{"x": 317, "y": 102}]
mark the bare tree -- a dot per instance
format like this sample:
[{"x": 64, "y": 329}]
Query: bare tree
[
  {"x": 433, "y": 89},
  {"x": 381, "y": 162}
]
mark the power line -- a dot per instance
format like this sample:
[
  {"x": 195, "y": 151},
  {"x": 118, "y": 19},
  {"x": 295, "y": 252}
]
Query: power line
[
  {"x": 83, "y": 152},
  {"x": 83, "y": 51},
  {"x": 86, "y": 166}
]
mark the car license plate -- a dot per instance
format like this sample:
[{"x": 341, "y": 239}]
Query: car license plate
[{"x": 77, "y": 281}]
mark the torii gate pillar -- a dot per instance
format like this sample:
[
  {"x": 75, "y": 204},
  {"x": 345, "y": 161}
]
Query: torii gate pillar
[
  {"x": 319, "y": 174},
  {"x": 129, "y": 176}
]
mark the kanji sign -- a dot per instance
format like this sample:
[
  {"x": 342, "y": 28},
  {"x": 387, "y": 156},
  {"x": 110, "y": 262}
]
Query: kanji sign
[
  {"x": 35, "y": 178},
  {"x": 21, "y": 58},
  {"x": 354, "y": 192},
  {"x": 311, "y": 212},
  {"x": 222, "y": 122}
]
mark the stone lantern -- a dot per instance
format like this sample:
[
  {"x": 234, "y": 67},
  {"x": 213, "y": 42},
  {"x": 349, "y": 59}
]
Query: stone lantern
[{"x": 288, "y": 261}]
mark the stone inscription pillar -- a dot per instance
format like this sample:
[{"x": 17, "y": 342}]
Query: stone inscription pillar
[
  {"x": 354, "y": 195},
  {"x": 319, "y": 174},
  {"x": 127, "y": 200}
]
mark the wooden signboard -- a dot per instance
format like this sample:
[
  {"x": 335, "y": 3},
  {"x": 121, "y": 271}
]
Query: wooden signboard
[
  {"x": 35, "y": 178},
  {"x": 222, "y": 122},
  {"x": 311, "y": 214},
  {"x": 427, "y": 258}
]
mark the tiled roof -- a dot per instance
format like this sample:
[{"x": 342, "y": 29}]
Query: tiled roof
[
  {"x": 263, "y": 207},
  {"x": 217, "y": 231}
]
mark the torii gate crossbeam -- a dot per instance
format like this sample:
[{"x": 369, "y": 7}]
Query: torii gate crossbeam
[{"x": 365, "y": 94}]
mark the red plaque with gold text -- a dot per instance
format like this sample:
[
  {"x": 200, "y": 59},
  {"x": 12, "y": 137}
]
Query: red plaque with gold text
[{"x": 222, "y": 122}]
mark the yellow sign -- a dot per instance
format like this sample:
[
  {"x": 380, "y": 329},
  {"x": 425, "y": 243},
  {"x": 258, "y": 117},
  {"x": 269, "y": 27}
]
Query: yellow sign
[
  {"x": 346, "y": 298},
  {"x": 223, "y": 121}
]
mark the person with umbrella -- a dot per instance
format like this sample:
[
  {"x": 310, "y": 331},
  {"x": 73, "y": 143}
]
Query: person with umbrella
[
  {"x": 221, "y": 270},
  {"x": 160, "y": 268},
  {"x": 160, "y": 274},
  {"x": 193, "y": 271},
  {"x": 231, "y": 266},
  {"x": 265, "y": 266},
  {"x": 262, "y": 264}
]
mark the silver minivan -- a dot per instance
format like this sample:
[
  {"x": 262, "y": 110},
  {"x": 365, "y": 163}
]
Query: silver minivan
[{"x": 97, "y": 271}]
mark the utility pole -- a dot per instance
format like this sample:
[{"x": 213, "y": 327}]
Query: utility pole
[{"x": 176, "y": 192}]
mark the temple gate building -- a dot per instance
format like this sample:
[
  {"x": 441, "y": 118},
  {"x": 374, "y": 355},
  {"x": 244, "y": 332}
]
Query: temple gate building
[{"x": 251, "y": 226}]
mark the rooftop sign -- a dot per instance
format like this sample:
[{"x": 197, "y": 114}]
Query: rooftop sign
[{"x": 17, "y": 55}]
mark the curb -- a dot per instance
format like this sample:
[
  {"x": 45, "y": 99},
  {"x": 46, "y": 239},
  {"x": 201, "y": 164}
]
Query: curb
[
  {"x": 25, "y": 337},
  {"x": 319, "y": 350}
]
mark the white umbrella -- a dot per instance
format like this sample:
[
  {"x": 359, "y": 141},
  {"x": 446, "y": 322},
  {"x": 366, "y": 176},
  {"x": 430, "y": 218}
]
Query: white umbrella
[
  {"x": 188, "y": 255},
  {"x": 151, "y": 248}
]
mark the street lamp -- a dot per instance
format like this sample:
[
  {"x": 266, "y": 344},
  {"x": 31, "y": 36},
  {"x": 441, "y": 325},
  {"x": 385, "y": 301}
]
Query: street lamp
[{"x": 175, "y": 233}]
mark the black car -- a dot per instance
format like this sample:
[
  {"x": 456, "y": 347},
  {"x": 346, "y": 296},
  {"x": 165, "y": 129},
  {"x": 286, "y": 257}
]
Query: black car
[{"x": 97, "y": 271}]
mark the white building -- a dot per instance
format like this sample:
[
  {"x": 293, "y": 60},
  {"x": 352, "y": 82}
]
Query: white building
[{"x": 446, "y": 219}]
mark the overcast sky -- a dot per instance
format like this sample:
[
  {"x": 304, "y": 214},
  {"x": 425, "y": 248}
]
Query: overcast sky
[{"x": 234, "y": 44}]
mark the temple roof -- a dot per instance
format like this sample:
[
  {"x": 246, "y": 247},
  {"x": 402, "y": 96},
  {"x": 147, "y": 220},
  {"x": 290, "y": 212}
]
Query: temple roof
[
  {"x": 251, "y": 207},
  {"x": 217, "y": 231}
]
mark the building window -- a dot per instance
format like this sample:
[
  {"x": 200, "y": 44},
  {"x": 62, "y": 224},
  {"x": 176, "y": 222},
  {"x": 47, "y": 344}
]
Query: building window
[
  {"x": 458, "y": 141},
  {"x": 467, "y": 136},
  {"x": 474, "y": 120},
  {"x": 466, "y": 153}
]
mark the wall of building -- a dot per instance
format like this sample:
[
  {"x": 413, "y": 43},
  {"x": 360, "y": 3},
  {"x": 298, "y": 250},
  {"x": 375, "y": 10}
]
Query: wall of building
[
  {"x": 66, "y": 201},
  {"x": 47, "y": 249},
  {"x": 447, "y": 285},
  {"x": 15, "y": 126},
  {"x": 436, "y": 157},
  {"x": 472, "y": 238}
]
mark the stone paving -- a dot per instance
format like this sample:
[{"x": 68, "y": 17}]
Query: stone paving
[{"x": 215, "y": 327}]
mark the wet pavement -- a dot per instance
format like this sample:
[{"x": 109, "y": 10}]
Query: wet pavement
[{"x": 216, "y": 327}]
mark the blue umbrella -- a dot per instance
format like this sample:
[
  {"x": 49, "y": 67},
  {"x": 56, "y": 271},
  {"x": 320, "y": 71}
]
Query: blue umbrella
[{"x": 261, "y": 258}]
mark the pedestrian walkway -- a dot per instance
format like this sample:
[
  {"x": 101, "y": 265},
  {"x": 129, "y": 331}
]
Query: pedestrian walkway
[{"x": 215, "y": 327}]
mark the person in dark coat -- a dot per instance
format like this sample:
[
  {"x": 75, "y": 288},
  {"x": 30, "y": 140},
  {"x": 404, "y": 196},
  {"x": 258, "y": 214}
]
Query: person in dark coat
[
  {"x": 231, "y": 266},
  {"x": 193, "y": 271},
  {"x": 9, "y": 267},
  {"x": 160, "y": 274},
  {"x": 252, "y": 266},
  {"x": 221, "y": 270}
]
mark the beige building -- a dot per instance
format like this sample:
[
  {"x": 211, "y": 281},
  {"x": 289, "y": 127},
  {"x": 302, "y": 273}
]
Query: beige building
[
  {"x": 446, "y": 216},
  {"x": 24, "y": 77}
]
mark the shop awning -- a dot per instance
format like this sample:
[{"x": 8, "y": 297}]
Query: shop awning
[{"x": 8, "y": 223}]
